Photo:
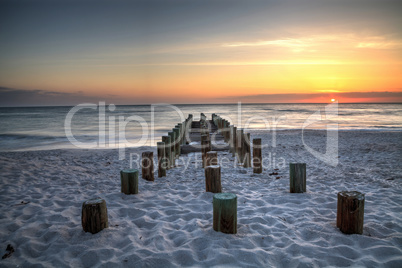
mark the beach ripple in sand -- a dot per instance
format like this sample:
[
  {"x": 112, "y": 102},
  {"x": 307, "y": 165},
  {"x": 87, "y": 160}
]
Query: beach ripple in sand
[{"x": 169, "y": 223}]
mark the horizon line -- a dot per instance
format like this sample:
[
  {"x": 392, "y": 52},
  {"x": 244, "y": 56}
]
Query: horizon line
[{"x": 231, "y": 103}]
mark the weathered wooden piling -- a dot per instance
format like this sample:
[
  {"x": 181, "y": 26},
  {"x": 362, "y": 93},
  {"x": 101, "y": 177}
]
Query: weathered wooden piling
[
  {"x": 94, "y": 215},
  {"x": 213, "y": 179},
  {"x": 204, "y": 130},
  {"x": 225, "y": 213},
  {"x": 239, "y": 144},
  {"x": 184, "y": 130},
  {"x": 231, "y": 143},
  {"x": 188, "y": 128},
  {"x": 203, "y": 117},
  {"x": 162, "y": 163},
  {"x": 180, "y": 139},
  {"x": 297, "y": 174},
  {"x": 234, "y": 141},
  {"x": 177, "y": 142},
  {"x": 224, "y": 129},
  {"x": 212, "y": 158},
  {"x": 172, "y": 148},
  {"x": 203, "y": 120},
  {"x": 168, "y": 151},
  {"x": 187, "y": 131},
  {"x": 205, "y": 147},
  {"x": 217, "y": 123},
  {"x": 227, "y": 131},
  {"x": 147, "y": 165},
  {"x": 350, "y": 212},
  {"x": 129, "y": 181},
  {"x": 257, "y": 156},
  {"x": 246, "y": 150},
  {"x": 214, "y": 119}
]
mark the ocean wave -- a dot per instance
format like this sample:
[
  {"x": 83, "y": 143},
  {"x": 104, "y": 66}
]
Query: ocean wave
[{"x": 27, "y": 136}]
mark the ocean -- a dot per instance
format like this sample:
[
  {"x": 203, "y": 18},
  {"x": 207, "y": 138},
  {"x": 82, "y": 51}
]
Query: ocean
[{"x": 109, "y": 126}]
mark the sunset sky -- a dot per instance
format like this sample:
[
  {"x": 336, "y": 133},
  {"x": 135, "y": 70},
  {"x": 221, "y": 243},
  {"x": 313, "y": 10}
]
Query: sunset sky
[{"x": 199, "y": 51}]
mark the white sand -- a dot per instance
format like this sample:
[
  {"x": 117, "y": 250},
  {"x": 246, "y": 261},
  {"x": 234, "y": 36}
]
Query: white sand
[{"x": 169, "y": 223}]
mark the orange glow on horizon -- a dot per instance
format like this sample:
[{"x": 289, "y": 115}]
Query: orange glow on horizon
[
  {"x": 241, "y": 69},
  {"x": 250, "y": 54}
]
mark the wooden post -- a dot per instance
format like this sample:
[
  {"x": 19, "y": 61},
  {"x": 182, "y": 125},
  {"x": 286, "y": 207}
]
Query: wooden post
[
  {"x": 177, "y": 142},
  {"x": 147, "y": 165},
  {"x": 181, "y": 131},
  {"x": 227, "y": 131},
  {"x": 178, "y": 135},
  {"x": 204, "y": 131},
  {"x": 246, "y": 150},
  {"x": 350, "y": 212},
  {"x": 297, "y": 173},
  {"x": 227, "y": 127},
  {"x": 94, "y": 215},
  {"x": 257, "y": 156},
  {"x": 212, "y": 158},
  {"x": 172, "y": 149},
  {"x": 213, "y": 179},
  {"x": 162, "y": 163},
  {"x": 239, "y": 144},
  {"x": 205, "y": 147},
  {"x": 225, "y": 213},
  {"x": 186, "y": 131},
  {"x": 184, "y": 128},
  {"x": 181, "y": 134},
  {"x": 129, "y": 181},
  {"x": 224, "y": 129},
  {"x": 231, "y": 139},
  {"x": 234, "y": 140},
  {"x": 189, "y": 128},
  {"x": 168, "y": 151}
]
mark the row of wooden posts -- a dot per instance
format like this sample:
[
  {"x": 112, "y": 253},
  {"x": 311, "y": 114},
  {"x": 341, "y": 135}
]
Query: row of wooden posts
[
  {"x": 239, "y": 143},
  {"x": 350, "y": 209},
  {"x": 168, "y": 151},
  {"x": 225, "y": 204},
  {"x": 169, "y": 148}
]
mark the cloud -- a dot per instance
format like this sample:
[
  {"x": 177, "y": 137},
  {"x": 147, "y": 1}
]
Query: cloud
[
  {"x": 248, "y": 63},
  {"x": 291, "y": 42},
  {"x": 374, "y": 94},
  {"x": 346, "y": 40},
  {"x": 380, "y": 45},
  {"x": 38, "y": 97},
  {"x": 280, "y": 42},
  {"x": 11, "y": 97}
]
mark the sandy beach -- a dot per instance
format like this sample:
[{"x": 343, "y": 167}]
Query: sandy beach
[{"x": 169, "y": 223}]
